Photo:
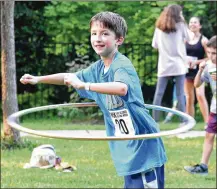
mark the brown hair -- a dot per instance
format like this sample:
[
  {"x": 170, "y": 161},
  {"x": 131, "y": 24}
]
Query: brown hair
[
  {"x": 168, "y": 18},
  {"x": 112, "y": 21},
  {"x": 212, "y": 42},
  {"x": 198, "y": 18}
]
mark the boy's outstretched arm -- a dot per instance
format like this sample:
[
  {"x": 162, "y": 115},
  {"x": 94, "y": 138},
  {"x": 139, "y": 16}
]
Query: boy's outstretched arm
[
  {"x": 56, "y": 79},
  {"x": 112, "y": 88},
  {"x": 197, "y": 80}
]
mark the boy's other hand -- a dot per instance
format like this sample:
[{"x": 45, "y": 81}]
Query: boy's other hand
[
  {"x": 29, "y": 79},
  {"x": 202, "y": 65},
  {"x": 72, "y": 79}
]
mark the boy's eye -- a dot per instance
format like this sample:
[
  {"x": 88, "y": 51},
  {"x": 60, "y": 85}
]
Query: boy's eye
[
  {"x": 105, "y": 33},
  {"x": 93, "y": 33}
]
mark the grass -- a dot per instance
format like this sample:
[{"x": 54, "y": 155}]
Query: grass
[
  {"x": 67, "y": 124},
  {"x": 93, "y": 161}
]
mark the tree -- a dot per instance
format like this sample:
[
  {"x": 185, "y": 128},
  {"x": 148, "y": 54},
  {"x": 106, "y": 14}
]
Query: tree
[{"x": 8, "y": 72}]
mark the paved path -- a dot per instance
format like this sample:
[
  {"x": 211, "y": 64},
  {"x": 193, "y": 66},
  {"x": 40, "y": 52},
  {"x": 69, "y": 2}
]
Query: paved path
[{"x": 189, "y": 134}]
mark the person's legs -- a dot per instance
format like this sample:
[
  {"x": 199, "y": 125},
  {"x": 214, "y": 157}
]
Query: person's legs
[
  {"x": 201, "y": 98},
  {"x": 189, "y": 94},
  {"x": 180, "y": 93},
  {"x": 160, "y": 89},
  {"x": 174, "y": 107},
  {"x": 151, "y": 179},
  {"x": 211, "y": 131},
  {"x": 207, "y": 147}
]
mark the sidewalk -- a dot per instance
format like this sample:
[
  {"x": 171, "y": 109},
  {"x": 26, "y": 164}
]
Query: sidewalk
[{"x": 189, "y": 134}]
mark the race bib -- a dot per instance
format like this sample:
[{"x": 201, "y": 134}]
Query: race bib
[{"x": 122, "y": 122}]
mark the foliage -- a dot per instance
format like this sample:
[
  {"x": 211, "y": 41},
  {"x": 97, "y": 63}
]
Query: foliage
[
  {"x": 73, "y": 25},
  {"x": 29, "y": 32},
  {"x": 8, "y": 143},
  {"x": 39, "y": 25},
  {"x": 140, "y": 16},
  {"x": 80, "y": 62},
  {"x": 35, "y": 99}
]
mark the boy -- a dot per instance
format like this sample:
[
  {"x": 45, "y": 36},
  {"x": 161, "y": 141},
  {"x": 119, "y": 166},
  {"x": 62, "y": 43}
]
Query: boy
[
  {"x": 114, "y": 84},
  {"x": 207, "y": 73}
]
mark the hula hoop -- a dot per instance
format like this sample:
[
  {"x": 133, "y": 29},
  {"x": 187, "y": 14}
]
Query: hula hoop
[{"x": 12, "y": 121}]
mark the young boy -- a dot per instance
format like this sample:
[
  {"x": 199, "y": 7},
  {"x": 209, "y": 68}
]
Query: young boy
[
  {"x": 207, "y": 73},
  {"x": 114, "y": 84}
]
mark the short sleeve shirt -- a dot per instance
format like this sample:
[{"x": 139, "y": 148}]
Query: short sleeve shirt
[
  {"x": 206, "y": 77},
  {"x": 172, "y": 52},
  {"x": 125, "y": 115}
]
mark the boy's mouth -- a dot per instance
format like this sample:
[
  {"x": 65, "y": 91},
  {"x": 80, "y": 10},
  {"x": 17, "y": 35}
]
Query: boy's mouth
[{"x": 98, "y": 47}]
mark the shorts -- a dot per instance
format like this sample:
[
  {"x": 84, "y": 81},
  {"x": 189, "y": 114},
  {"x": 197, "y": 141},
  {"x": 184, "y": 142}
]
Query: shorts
[
  {"x": 212, "y": 123},
  {"x": 191, "y": 74},
  {"x": 151, "y": 179}
]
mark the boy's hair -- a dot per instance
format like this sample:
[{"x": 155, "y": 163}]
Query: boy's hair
[
  {"x": 168, "y": 18},
  {"x": 112, "y": 21},
  {"x": 212, "y": 42}
]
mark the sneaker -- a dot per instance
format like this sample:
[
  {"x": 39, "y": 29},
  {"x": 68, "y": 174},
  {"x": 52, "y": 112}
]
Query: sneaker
[{"x": 200, "y": 169}]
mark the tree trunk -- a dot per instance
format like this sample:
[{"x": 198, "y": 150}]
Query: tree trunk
[{"x": 8, "y": 73}]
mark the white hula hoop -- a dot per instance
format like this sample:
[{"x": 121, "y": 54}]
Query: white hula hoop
[{"x": 12, "y": 121}]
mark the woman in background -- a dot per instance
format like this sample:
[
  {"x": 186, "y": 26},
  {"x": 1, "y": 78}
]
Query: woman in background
[
  {"x": 169, "y": 38},
  {"x": 196, "y": 49}
]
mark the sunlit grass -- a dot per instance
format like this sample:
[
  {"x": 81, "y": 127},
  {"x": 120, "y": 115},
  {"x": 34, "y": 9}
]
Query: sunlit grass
[
  {"x": 93, "y": 161},
  {"x": 70, "y": 124}
]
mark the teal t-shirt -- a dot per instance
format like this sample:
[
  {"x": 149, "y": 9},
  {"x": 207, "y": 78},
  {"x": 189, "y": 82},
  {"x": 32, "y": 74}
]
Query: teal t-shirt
[{"x": 125, "y": 115}]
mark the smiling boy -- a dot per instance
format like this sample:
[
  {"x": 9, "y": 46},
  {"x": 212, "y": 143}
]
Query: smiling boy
[{"x": 114, "y": 84}]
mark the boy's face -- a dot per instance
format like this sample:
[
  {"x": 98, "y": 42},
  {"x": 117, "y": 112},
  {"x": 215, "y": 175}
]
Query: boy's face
[
  {"x": 211, "y": 53},
  {"x": 104, "y": 40}
]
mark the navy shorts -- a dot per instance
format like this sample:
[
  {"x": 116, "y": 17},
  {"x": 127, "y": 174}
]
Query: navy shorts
[
  {"x": 212, "y": 123},
  {"x": 151, "y": 179}
]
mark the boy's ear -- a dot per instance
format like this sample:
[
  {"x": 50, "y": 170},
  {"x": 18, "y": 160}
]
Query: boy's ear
[{"x": 120, "y": 40}]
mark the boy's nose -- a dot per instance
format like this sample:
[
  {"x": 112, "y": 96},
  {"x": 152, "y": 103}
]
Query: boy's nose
[{"x": 98, "y": 38}]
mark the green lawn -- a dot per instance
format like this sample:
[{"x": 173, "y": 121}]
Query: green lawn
[
  {"x": 66, "y": 124},
  {"x": 94, "y": 165}
]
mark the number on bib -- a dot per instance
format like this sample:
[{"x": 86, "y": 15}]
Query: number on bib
[{"x": 122, "y": 122}]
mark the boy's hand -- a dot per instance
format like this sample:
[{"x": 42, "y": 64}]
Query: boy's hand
[
  {"x": 202, "y": 65},
  {"x": 72, "y": 79},
  {"x": 29, "y": 79}
]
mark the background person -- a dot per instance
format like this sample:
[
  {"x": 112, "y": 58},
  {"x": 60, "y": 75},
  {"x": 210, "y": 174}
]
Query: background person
[
  {"x": 196, "y": 48},
  {"x": 207, "y": 73},
  {"x": 169, "y": 115},
  {"x": 169, "y": 36},
  {"x": 114, "y": 84}
]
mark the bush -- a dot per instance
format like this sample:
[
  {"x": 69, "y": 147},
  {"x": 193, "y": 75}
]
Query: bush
[{"x": 7, "y": 143}]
